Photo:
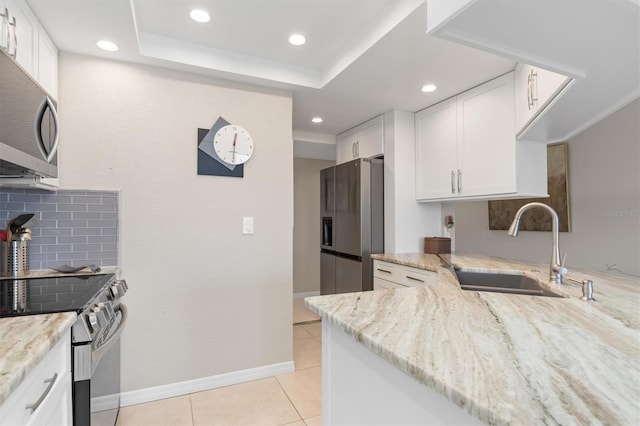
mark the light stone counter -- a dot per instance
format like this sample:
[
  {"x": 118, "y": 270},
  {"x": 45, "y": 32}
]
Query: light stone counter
[
  {"x": 506, "y": 359},
  {"x": 24, "y": 342}
]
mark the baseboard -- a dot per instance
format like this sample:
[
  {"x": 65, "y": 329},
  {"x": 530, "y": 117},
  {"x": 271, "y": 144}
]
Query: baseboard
[
  {"x": 155, "y": 393},
  {"x": 307, "y": 294}
]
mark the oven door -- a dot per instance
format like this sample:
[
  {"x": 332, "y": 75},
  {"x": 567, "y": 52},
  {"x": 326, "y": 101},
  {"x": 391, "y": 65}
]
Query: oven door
[{"x": 96, "y": 400}]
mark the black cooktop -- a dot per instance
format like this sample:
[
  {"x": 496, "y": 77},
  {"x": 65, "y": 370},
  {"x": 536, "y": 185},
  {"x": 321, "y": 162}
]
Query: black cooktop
[{"x": 49, "y": 294}]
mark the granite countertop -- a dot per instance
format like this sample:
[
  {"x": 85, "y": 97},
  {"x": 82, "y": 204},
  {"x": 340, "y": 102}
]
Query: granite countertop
[
  {"x": 506, "y": 359},
  {"x": 24, "y": 342}
]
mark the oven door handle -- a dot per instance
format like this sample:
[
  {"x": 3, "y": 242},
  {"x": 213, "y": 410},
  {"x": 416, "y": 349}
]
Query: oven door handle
[{"x": 97, "y": 354}]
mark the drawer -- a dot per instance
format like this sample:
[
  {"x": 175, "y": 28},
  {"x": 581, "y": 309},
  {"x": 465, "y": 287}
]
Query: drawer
[
  {"x": 387, "y": 271},
  {"x": 414, "y": 277},
  {"x": 379, "y": 284},
  {"x": 57, "y": 363}
]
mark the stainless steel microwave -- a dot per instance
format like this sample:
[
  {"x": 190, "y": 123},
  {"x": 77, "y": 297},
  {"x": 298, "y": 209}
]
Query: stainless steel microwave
[{"x": 29, "y": 127}]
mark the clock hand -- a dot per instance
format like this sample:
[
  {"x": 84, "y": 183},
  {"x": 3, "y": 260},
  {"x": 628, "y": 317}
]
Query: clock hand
[{"x": 235, "y": 137}]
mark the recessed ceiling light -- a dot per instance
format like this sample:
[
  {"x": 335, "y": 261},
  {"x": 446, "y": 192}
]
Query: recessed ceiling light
[
  {"x": 200, "y": 15},
  {"x": 317, "y": 120},
  {"x": 429, "y": 88},
  {"x": 297, "y": 39},
  {"x": 107, "y": 45}
]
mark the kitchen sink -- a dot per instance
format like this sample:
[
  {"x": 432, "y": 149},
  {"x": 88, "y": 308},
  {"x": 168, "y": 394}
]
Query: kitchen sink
[{"x": 502, "y": 283}]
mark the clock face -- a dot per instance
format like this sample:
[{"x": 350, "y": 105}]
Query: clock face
[{"x": 233, "y": 144}]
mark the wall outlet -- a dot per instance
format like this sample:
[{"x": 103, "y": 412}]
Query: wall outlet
[{"x": 247, "y": 225}]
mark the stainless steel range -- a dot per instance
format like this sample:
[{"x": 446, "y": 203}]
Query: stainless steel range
[{"x": 95, "y": 336}]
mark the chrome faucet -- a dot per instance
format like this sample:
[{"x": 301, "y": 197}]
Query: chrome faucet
[{"x": 556, "y": 269}]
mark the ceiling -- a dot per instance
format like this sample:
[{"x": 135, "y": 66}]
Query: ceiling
[{"x": 362, "y": 57}]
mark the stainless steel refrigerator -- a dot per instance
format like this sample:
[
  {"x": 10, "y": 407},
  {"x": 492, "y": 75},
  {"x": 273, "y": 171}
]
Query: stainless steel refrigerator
[{"x": 352, "y": 224}]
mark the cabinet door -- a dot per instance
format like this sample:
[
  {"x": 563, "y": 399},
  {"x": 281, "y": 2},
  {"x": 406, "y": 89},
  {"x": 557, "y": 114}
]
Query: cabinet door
[
  {"x": 47, "y": 63},
  {"x": 370, "y": 141},
  {"x": 486, "y": 139},
  {"x": 536, "y": 88},
  {"x": 346, "y": 146},
  {"x": 436, "y": 151},
  {"x": 27, "y": 35}
]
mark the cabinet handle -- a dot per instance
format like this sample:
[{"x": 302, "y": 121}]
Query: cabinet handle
[
  {"x": 15, "y": 38},
  {"x": 357, "y": 149},
  {"x": 384, "y": 270},
  {"x": 414, "y": 279},
  {"x": 7, "y": 27},
  {"x": 48, "y": 152},
  {"x": 353, "y": 150},
  {"x": 459, "y": 181},
  {"x": 33, "y": 407},
  {"x": 532, "y": 89},
  {"x": 453, "y": 185}
]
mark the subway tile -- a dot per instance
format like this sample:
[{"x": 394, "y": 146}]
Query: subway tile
[
  {"x": 72, "y": 223},
  {"x": 49, "y": 224},
  {"x": 87, "y": 231},
  {"x": 58, "y": 248},
  {"x": 75, "y": 255},
  {"x": 86, "y": 247},
  {"x": 110, "y": 199},
  {"x": 101, "y": 208},
  {"x": 56, "y": 215},
  {"x": 44, "y": 240},
  {"x": 24, "y": 198},
  {"x": 54, "y": 232},
  {"x": 109, "y": 247},
  {"x": 72, "y": 207},
  {"x": 88, "y": 215},
  {"x": 72, "y": 240},
  {"x": 102, "y": 239},
  {"x": 87, "y": 199},
  {"x": 109, "y": 216},
  {"x": 72, "y": 192},
  {"x": 14, "y": 206},
  {"x": 40, "y": 207},
  {"x": 109, "y": 231},
  {"x": 57, "y": 199},
  {"x": 101, "y": 223}
]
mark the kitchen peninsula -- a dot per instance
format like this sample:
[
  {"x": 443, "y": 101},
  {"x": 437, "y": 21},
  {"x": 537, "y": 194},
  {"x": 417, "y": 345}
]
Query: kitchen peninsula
[{"x": 447, "y": 355}]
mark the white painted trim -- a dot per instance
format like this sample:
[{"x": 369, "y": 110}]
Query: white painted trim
[
  {"x": 206, "y": 383},
  {"x": 306, "y": 294}
]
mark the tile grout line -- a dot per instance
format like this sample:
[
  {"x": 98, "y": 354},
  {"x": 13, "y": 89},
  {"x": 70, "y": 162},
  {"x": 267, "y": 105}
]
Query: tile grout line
[
  {"x": 289, "y": 398},
  {"x": 193, "y": 420}
]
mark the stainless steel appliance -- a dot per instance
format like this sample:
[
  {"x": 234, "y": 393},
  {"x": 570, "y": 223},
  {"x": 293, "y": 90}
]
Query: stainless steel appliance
[
  {"x": 29, "y": 125},
  {"x": 95, "y": 337},
  {"x": 352, "y": 224}
]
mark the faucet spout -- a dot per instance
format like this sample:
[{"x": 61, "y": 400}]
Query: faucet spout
[{"x": 556, "y": 269}]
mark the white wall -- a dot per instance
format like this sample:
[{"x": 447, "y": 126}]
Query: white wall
[
  {"x": 306, "y": 223},
  {"x": 203, "y": 299},
  {"x": 604, "y": 186},
  {"x": 406, "y": 222}
]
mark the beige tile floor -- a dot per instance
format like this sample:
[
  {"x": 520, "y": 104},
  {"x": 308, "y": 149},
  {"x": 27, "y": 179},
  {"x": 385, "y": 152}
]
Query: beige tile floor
[
  {"x": 293, "y": 399},
  {"x": 301, "y": 314}
]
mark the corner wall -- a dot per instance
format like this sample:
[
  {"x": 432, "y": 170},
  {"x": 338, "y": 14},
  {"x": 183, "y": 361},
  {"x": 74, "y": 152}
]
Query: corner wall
[
  {"x": 604, "y": 187},
  {"x": 203, "y": 298},
  {"x": 306, "y": 224}
]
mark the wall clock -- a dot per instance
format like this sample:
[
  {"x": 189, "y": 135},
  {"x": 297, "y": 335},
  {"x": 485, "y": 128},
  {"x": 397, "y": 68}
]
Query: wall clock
[{"x": 233, "y": 144}]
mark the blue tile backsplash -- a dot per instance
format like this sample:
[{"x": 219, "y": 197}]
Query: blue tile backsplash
[{"x": 69, "y": 228}]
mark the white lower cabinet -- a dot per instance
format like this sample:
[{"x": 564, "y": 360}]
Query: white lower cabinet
[
  {"x": 44, "y": 396},
  {"x": 391, "y": 275}
]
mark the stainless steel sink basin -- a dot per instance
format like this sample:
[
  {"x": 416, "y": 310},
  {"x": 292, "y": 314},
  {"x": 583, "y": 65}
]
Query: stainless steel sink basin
[{"x": 502, "y": 283}]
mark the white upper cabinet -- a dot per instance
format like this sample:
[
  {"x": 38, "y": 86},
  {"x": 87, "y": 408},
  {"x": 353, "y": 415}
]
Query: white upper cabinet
[
  {"x": 594, "y": 42},
  {"x": 536, "y": 89},
  {"x": 466, "y": 148},
  {"x": 25, "y": 40},
  {"x": 363, "y": 141},
  {"x": 47, "y": 63},
  {"x": 24, "y": 35}
]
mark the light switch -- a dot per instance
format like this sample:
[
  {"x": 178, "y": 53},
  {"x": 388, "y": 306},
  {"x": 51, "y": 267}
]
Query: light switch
[{"x": 247, "y": 225}]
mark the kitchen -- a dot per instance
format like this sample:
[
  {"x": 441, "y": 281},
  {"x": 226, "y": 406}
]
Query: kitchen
[{"x": 226, "y": 296}]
